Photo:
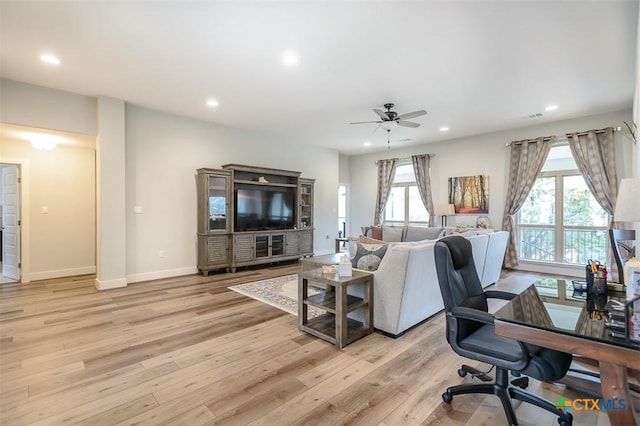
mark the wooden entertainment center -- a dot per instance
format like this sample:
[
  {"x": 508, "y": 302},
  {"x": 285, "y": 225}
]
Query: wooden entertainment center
[{"x": 252, "y": 215}]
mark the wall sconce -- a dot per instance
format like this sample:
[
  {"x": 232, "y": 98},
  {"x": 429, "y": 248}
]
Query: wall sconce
[{"x": 444, "y": 210}]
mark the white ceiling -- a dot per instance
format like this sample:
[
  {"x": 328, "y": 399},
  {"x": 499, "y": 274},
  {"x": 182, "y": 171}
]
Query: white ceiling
[{"x": 475, "y": 66}]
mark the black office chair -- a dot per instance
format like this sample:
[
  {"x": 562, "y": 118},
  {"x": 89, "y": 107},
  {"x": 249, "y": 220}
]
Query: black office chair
[
  {"x": 470, "y": 334},
  {"x": 622, "y": 241}
]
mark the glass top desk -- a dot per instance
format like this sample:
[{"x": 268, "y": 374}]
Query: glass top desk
[{"x": 551, "y": 314}]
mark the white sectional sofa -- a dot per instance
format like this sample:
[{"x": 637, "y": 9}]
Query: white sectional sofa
[{"x": 406, "y": 290}]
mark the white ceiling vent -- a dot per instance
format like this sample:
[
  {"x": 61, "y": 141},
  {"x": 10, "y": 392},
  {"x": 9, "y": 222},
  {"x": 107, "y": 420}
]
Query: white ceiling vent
[{"x": 536, "y": 115}]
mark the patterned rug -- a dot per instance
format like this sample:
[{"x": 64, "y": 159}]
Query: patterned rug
[{"x": 281, "y": 292}]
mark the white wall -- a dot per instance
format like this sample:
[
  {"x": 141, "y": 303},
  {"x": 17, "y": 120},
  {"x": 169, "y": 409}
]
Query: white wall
[
  {"x": 46, "y": 108},
  {"x": 476, "y": 155},
  {"x": 162, "y": 154}
]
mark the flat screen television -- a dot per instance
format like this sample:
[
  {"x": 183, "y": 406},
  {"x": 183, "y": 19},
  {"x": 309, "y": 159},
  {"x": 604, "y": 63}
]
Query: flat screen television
[{"x": 264, "y": 208}]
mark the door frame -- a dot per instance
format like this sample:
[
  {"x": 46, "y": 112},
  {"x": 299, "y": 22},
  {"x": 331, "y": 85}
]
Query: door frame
[{"x": 25, "y": 230}]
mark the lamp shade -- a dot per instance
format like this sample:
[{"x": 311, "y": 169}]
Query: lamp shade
[
  {"x": 444, "y": 209},
  {"x": 628, "y": 202}
]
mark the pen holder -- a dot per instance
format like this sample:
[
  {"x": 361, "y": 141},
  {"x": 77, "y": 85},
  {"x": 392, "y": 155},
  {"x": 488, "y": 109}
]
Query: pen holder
[
  {"x": 589, "y": 277},
  {"x": 599, "y": 286}
]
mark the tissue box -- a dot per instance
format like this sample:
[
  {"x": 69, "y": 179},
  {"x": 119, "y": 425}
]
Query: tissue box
[{"x": 344, "y": 269}]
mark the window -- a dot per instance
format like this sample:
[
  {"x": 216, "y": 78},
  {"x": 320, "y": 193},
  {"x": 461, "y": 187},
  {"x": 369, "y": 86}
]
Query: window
[
  {"x": 561, "y": 221},
  {"x": 404, "y": 205}
]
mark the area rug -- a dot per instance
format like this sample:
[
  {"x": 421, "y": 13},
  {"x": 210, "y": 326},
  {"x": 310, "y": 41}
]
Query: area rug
[{"x": 280, "y": 292}]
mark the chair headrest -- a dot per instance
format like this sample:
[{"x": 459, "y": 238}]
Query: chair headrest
[{"x": 460, "y": 249}]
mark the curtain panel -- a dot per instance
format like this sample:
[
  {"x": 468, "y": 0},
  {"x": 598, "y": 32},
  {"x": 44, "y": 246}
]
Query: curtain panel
[
  {"x": 594, "y": 153},
  {"x": 595, "y": 156},
  {"x": 386, "y": 172},
  {"x": 421, "y": 167},
  {"x": 526, "y": 160}
]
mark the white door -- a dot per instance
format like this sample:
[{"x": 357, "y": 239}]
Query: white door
[{"x": 10, "y": 223}]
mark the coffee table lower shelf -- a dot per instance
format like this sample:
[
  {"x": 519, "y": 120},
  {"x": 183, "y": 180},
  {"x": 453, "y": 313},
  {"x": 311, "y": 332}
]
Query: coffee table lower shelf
[{"x": 324, "y": 327}]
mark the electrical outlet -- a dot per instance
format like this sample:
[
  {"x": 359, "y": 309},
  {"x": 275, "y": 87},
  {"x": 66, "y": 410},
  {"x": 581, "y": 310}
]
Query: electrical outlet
[{"x": 161, "y": 253}]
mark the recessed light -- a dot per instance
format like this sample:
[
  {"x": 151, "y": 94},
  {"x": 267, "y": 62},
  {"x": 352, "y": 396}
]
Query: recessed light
[
  {"x": 212, "y": 103},
  {"x": 551, "y": 108},
  {"x": 50, "y": 59},
  {"x": 367, "y": 143},
  {"x": 444, "y": 129},
  {"x": 290, "y": 58}
]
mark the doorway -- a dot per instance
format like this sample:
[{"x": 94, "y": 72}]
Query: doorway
[
  {"x": 343, "y": 214},
  {"x": 10, "y": 223}
]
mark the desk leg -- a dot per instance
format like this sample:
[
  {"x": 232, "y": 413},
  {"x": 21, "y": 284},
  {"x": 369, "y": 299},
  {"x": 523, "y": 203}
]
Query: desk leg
[{"x": 615, "y": 387}]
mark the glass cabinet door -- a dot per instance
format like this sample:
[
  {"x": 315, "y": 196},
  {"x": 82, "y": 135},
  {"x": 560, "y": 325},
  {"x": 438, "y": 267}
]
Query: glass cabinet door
[
  {"x": 218, "y": 203},
  {"x": 306, "y": 204}
]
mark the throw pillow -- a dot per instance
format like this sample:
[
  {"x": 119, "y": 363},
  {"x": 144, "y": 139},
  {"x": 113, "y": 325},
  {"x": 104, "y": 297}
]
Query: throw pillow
[
  {"x": 366, "y": 240},
  {"x": 376, "y": 232},
  {"x": 419, "y": 233},
  {"x": 366, "y": 256},
  {"x": 392, "y": 233}
]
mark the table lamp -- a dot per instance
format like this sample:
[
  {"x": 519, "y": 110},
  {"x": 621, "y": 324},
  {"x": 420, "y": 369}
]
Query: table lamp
[
  {"x": 628, "y": 210},
  {"x": 444, "y": 210}
]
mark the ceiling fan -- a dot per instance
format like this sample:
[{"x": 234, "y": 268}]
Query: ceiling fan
[{"x": 389, "y": 120}]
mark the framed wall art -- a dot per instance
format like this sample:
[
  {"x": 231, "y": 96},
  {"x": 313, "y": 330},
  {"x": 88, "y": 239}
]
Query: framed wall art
[{"x": 469, "y": 194}]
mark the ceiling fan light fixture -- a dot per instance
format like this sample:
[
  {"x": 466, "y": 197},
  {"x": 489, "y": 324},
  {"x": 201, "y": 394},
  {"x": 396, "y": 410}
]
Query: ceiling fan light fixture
[{"x": 388, "y": 125}]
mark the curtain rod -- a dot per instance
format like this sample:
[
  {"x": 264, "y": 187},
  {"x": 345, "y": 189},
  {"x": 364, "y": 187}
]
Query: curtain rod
[
  {"x": 406, "y": 158},
  {"x": 562, "y": 138}
]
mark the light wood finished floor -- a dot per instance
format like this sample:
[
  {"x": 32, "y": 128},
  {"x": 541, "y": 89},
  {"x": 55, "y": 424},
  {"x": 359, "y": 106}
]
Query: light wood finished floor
[{"x": 188, "y": 351}]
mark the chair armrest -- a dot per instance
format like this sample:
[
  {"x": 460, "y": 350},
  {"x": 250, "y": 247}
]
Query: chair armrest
[
  {"x": 497, "y": 294},
  {"x": 472, "y": 314},
  {"x": 469, "y": 314}
]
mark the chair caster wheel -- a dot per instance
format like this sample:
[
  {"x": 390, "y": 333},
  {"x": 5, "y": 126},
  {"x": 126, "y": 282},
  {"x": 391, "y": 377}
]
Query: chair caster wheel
[
  {"x": 566, "y": 422},
  {"x": 461, "y": 372},
  {"x": 447, "y": 397}
]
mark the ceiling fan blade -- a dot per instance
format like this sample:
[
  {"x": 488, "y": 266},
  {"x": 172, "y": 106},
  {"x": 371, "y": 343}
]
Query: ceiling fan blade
[
  {"x": 408, "y": 124},
  {"x": 412, "y": 114},
  {"x": 363, "y": 122},
  {"x": 382, "y": 114}
]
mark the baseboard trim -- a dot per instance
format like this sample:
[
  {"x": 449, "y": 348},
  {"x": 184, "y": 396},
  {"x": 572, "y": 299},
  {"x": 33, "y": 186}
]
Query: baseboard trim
[
  {"x": 323, "y": 252},
  {"x": 110, "y": 284},
  {"x": 60, "y": 273},
  {"x": 156, "y": 275}
]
